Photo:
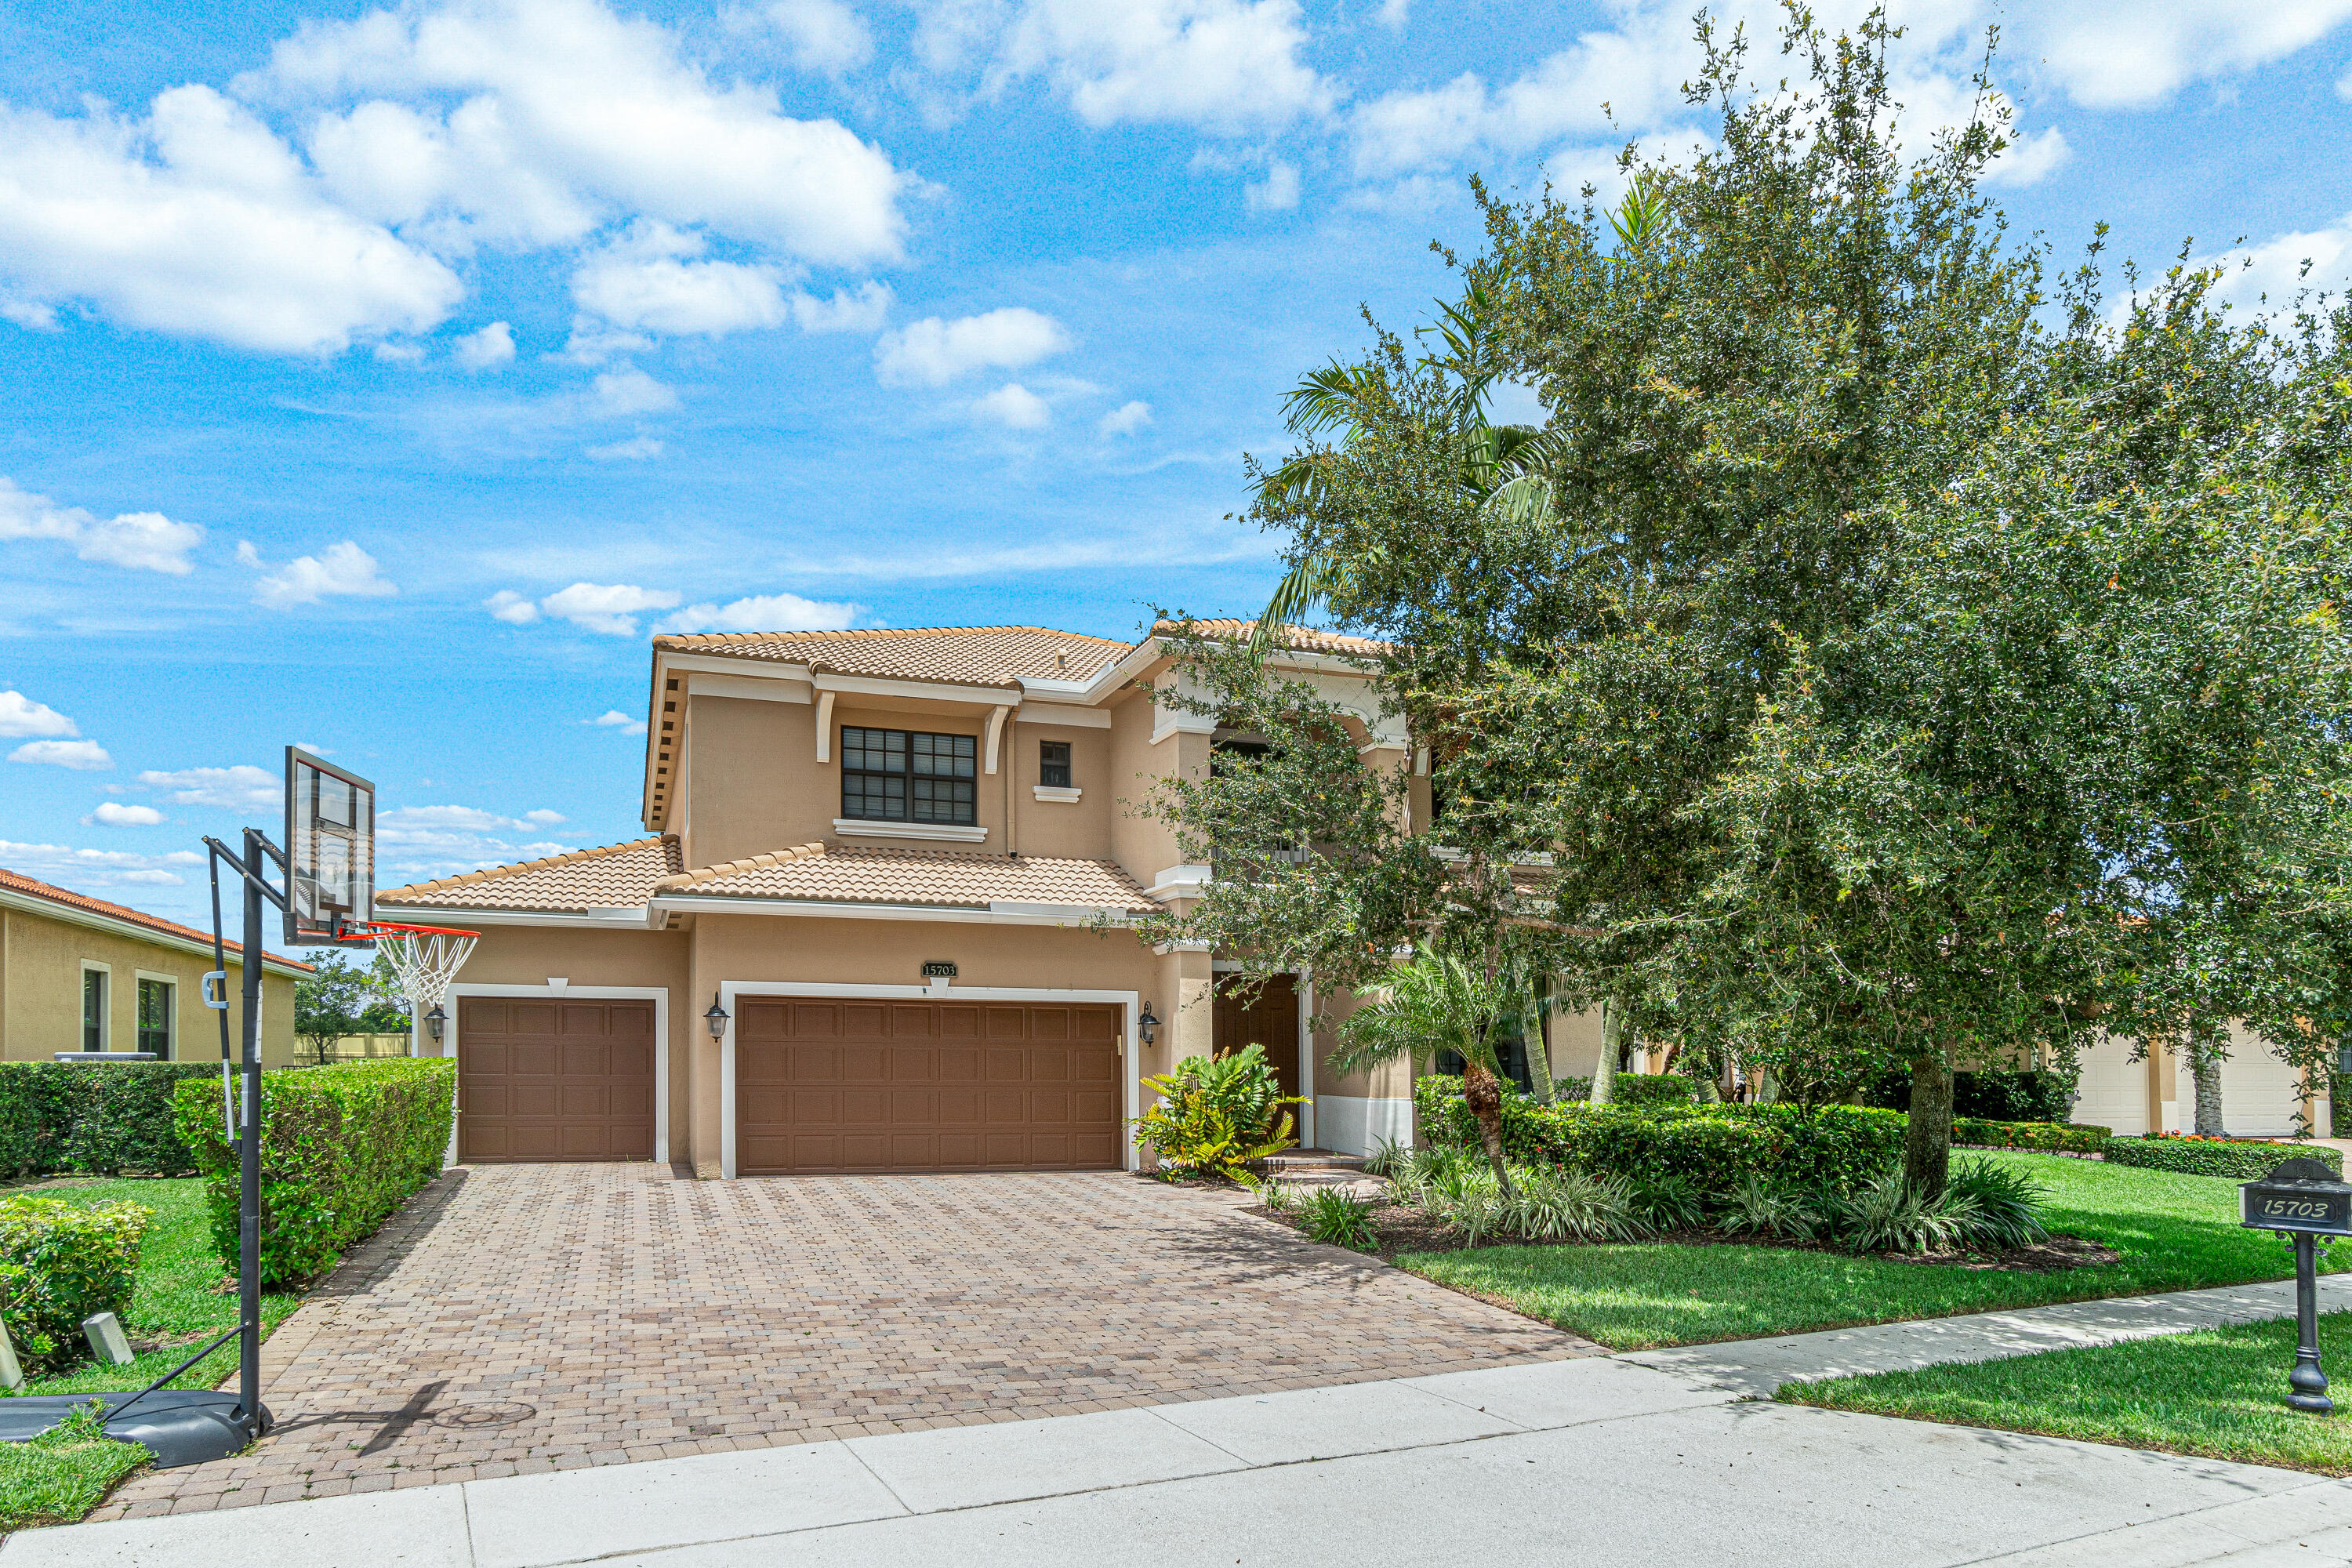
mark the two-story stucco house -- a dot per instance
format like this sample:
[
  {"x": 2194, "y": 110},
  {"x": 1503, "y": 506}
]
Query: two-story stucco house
[{"x": 878, "y": 922}]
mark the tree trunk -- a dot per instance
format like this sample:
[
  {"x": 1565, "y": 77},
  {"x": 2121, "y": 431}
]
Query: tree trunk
[
  {"x": 1538, "y": 1049},
  {"x": 1927, "y": 1143},
  {"x": 1484, "y": 1093},
  {"x": 1612, "y": 1042},
  {"x": 2205, "y": 1070}
]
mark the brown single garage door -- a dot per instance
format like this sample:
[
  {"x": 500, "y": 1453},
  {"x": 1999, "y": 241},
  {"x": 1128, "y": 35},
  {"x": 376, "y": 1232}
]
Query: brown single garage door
[
  {"x": 554, "y": 1079},
  {"x": 855, "y": 1086}
]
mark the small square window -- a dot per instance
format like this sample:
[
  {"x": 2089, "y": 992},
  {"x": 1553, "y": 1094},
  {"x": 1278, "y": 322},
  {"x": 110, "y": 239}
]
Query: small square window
[
  {"x": 155, "y": 1017},
  {"x": 93, "y": 1009},
  {"x": 1053, "y": 764}
]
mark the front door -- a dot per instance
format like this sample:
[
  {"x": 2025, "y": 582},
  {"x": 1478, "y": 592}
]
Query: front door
[{"x": 1271, "y": 1019}]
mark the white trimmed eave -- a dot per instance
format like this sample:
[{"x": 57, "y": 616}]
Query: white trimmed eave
[
  {"x": 994, "y": 913},
  {"x": 34, "y": 904},
  {"x": 610, "y": 917}
]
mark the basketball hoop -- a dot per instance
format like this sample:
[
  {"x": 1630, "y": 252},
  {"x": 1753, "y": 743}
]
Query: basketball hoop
[{"x": 424, "y": 959}]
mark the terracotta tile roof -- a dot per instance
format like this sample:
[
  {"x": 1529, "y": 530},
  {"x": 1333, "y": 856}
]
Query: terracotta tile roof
[
  {"x": 934, "y": 878},
  {"x": 17, "y": 882},
  {"x": 615, "y": 877},
  {"x": 1306, "y": 639},
  {"x": 984, "y": 656}
]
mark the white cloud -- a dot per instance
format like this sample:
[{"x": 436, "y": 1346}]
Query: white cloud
[
  {"x": 1125, "y": 420},
  {"x": 511, "y": 608},
  {"x": 343, "y": 571},
  {"x": 1221, "y": 65},
  {"x": 416, "y": 842},
  {"x": 198, "y": 220},
  {"x": 933, "y": 351},
  {"x": 1393, "y": 13},
  {"x": 825, "y": 36},
  {"x": 1016, "y": 407},
  {"x": 83, "y": 756},
  {"x": 532, "y": 122},
  {"x": 2269, "y": 275},
  {"x": 141, "y": 540},
  {"x": 2115, "y": 54},
  {"x": 618, "y": 394},
  {"x": 646, "y": 281},
  {"x": 114, "y": 814},
  {"x": 1278, "y": 192},
  {"x": 242, "y": 787},
  {"x": 761, "y": 613},
  {"x": 21, "y": 716},
  {"x": 96, "y": 867},
  {"x": 493, "y": 345},
  {"x": 543, "y": 817},
  {"x": 607, "y": 607},
  {"x": 614, "y": 719},
  {"x": 860, "y": 309},
  {"x": 635, "y": 449}
]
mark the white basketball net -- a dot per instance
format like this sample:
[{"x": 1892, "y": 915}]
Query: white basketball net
[{"x": 425, "y": 961}]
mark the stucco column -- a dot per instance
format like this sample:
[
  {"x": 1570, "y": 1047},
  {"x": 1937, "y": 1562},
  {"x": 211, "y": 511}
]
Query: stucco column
[
  {"x": 697, "y": 1088},
  {"x": 1187, "y": 1014}
]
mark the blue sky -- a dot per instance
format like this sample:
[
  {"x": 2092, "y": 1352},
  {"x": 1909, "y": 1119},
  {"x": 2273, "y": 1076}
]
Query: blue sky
[{"x": 379, "y": 379}]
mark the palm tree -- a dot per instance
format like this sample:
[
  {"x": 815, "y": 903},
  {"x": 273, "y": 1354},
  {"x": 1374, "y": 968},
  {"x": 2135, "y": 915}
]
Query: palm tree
[
  {"x": 1499, "y": 466},
  {"x": 1434, "y": 1002}
]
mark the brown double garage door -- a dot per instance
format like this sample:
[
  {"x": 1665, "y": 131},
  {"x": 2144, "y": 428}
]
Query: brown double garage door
[{"x": 848, "y": 1085}]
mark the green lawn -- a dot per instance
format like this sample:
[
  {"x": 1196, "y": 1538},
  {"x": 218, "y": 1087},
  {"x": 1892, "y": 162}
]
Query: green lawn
[
  {"x": 178, "y": 1299},
  {"x": 2174, "y": 1233},
  {"x": 59, "y": 1477},
  {"x": 2218, "y": 1392}
]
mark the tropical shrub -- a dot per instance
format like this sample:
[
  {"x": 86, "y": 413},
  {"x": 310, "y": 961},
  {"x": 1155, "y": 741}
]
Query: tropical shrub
[
  {"x": 2077, "y": 1138},
  {"x": 1667, "y": 1203},
  {"x": 2007, "y": 1201},
  {"x": 1711, "y": 1146},
  {"x": 342, "y": 1147},
  {"x": 2339, "y": 1114},
  {"x": 1216, "y": 1116},
  {"x": 1554, "y": 1203},
  {"x": 1754, "y": 1206},
  {"x": 1891, "y": 1214},
  {"x": 2243, "y": 1158},
  {"x": 99, "y": 1118},
  {"x": 1338, "y": 1217},
  {"x": 60, "y": 1263}
]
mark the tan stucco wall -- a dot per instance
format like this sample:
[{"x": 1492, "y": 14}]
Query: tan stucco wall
[
  {"x": 1079, "y": 829},
  {"x": 41, "y": 964},
  {"x": 1146, "y": 846},
  {"x": 646, "y": 960},
  {"x": 755, "y": 784}
]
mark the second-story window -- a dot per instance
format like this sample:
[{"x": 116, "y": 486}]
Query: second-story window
[
  {"x": 1053, "y": 764},
  {"x": 900, "y": 776}
]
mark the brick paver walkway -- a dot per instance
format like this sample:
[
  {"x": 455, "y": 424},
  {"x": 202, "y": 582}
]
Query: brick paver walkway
[{"x": 518, "y": 1318}]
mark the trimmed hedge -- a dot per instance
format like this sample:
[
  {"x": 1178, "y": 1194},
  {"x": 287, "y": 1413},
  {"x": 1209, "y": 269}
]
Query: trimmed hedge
[
  {"x": 62, "y": 1262},
  {"x": 1712, "y": 1145},
  {"x": 2029, "y": 1096},
  {"x": 2074, "y": 1137},
  {"x": 1635, "y": 1088},
  {"x": 2339, "y": 1114},
  {"x": 2243, "y": 1158},
  {"x": 97, "y": 1117},
  {"x": 342, "y": 1147}
]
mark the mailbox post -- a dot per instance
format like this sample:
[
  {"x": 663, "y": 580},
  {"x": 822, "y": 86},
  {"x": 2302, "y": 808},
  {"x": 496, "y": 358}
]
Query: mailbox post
[{"x": 2304, "y": 1199}]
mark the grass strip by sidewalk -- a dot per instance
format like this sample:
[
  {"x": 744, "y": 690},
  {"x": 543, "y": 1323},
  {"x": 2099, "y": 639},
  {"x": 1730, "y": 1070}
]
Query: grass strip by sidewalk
[
  {"x": 178, "y": 1299},
  {"x": 63, "y": 1474},
  {"x": 2173, "y": 1232},
  {"x": 2216, "y": 1393}
]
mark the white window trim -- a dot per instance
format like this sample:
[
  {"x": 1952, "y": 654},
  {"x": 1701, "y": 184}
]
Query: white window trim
[
  {"x": 1066, "y": 794},
  {"x": 1131, "y": 1067},
  {"x": 658, "y": 995},
  {"x": 870, "y": 828},
  {"x": 172, "y": 1018},
  {"x": 105, "y": 1006}
]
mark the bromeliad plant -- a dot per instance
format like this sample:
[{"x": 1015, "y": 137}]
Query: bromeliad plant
[{"x": 1218, "y": 1115}]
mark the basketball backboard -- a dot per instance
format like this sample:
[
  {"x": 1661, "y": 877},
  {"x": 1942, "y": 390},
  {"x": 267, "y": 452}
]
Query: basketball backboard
[{"x": 330, "y": 851}]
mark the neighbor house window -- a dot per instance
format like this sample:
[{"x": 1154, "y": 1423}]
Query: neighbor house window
[
  {"x": 901, "y": 776},
  {"x": 93, "y": 1009},
  {"x": 155, "y": 1017},
  {"x": 1053, "y": 764}
]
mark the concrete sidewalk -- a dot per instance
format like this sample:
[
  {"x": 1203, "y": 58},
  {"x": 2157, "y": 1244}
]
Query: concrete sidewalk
[
  {"x": 1595, "y": 1461},
  {"x": 1757, "y": 1368}
]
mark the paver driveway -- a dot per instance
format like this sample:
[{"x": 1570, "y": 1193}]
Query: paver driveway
[{"x": 518, "y": 1317}]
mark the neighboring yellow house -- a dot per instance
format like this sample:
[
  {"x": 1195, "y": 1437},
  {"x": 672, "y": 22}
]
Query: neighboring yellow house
[{"x": 77, "y": 973}]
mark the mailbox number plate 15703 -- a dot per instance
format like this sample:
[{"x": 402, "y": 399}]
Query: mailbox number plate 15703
[{"x": 2329, "y": 1213}]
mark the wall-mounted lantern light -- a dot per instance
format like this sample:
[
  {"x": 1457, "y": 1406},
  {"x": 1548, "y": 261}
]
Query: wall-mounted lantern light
[
  {"x": 1146, "y": 1026},
  {"x": 435, "y": 1021},
  {"x": 716, "y": 1018}
]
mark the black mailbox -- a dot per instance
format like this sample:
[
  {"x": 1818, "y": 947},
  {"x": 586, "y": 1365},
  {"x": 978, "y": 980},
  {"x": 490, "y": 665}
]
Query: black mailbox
[
  {"x": 2299, "y": 1196},
  {"x": 2312, "y": 1204}
]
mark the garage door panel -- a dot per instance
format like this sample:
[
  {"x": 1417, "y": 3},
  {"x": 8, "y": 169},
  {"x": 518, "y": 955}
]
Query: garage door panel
[
  {"x": 926, "y": 1086},
  {"x": 567, "y": 1080}
]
